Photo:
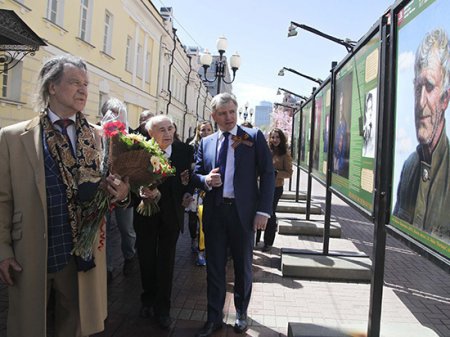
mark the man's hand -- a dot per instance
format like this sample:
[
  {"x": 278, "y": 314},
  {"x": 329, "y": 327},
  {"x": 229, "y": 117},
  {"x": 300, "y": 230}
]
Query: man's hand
[
  {"x": 213, "y": 179},
  {"x": 260, "y": 222},
  {"x": 5, "y": 274},
  {"x": 185, "y": 177},
  {"x": 187, "y": 199},
  {"x": 150, "y": 194},
  {"x": 117, "y": 188}
]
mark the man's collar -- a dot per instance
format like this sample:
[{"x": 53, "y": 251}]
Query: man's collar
[
  {"x": 233, "y": 131},
  {"x": 168, "y": 151},
  {"x": 54, "y": 117}
]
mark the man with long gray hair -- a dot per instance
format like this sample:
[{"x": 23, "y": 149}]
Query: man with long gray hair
[{"x": 49, "y": 166}]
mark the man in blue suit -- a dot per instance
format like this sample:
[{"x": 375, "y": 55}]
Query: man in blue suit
[{"x": 228, "y": 166}]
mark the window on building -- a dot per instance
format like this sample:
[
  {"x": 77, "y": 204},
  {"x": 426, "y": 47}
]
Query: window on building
[
  {"x": 11, "y": 82},
  {"x": 164, "y": 77},
  {"x": 55, "y": 11},
  {"x": 103, "y": 97},
  {"x": 139, "y": 62},
  {"x": 129, "y": 55},
  {"x": 85, "y": 20},
  {"x": 107, "y": 38},
  {"x": 147, "y": 67}
]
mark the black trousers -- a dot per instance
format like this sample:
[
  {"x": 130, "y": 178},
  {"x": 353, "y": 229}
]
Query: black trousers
[
  {"x": 271, "y": 228},
  {"x": 193, "y": 224},
  {"x": 156, "y": 241}
]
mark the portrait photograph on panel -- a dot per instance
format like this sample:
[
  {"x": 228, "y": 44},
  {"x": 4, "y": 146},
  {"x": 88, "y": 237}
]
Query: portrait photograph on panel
[
  {"x": 326, "y": 132},
  {"x": 317, "y": 128},
  {"x": 421, "y": 177},
  {"x": 303, "y": 138},
  {"x": 370, "y": 124},
  {"x": 342, "y": 125},
  {"x": 295, "y": 137}
]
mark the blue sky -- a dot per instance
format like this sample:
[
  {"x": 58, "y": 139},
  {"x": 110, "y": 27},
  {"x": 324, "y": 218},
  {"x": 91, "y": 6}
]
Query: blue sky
[{"x": 257, "y": 30}]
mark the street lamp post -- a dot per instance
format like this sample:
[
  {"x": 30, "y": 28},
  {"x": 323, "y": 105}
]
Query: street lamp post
[
  {"x": 292, "y": 106},
  {"x": 317, "y": 80},
  {"x": 292, "y": 93},
  {"x": 221, "y": 64},
  {"x": 347, "y": 43}
]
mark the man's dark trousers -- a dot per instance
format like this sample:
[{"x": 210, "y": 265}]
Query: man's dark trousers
[{"x": 225, "y": 229}]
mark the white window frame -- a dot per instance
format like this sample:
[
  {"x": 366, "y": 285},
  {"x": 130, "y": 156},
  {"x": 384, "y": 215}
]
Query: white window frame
[
  {"x": 86, "y": 17},
  {"x": 102, "y": 98},
  {"x": 55, "y": 11},
  {"x": 107, "y": 36},
  {"x": 11, "y": 82},
  {"x": 147, "y": 67},
  {"x": 139, "y": 61},
  {"x": 129, "y": 54}
]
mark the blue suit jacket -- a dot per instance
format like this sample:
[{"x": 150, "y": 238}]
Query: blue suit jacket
[{"x": 251, "y": 162}]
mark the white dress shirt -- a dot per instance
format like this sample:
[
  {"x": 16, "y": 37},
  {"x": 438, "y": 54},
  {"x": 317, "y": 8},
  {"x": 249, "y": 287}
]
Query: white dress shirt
[
  {"x": 71, "y": 131},
  {"x": 168, "y": 151}
]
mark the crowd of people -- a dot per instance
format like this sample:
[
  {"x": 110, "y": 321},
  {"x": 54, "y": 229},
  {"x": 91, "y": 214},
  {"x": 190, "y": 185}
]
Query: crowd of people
[{"x": 226, "y": 188}]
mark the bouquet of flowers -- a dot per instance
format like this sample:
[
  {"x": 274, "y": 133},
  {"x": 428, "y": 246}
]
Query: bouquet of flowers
[
  {"x": 127, "y": 155},
  {"x": 142, "y": 161}
]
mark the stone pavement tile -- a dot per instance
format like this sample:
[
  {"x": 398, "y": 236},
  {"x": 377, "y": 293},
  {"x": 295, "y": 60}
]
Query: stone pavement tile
[{"x": 442, "y": 329}]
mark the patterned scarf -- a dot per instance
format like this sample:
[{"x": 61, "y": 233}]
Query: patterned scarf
[{"x": 76, "y": 172}]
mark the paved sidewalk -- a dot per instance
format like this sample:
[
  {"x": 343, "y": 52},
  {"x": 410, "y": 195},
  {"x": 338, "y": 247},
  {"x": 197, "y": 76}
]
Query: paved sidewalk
[{"x": 415, "y": 292}]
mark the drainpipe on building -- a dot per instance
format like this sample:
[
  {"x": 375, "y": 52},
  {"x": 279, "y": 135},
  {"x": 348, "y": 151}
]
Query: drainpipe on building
[
  {"x": 158, "y": 89},
  {"x": 185, "y": 96},
  {"x": 198, "y": 97},
  {"x": 170, "y": 68},
  {"x": 204, "y": 104}
]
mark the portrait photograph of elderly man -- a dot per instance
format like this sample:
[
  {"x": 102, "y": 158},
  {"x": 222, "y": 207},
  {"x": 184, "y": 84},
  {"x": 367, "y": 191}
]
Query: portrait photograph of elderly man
[{"x": 422, "y": 191}]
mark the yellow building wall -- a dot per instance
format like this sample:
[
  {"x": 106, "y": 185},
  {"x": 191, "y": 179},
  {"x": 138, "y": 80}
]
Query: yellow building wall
[{"x": 109, "y": 69}]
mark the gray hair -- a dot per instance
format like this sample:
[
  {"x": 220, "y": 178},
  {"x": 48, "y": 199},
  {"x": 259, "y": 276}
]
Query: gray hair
[
  {"x": 435, "y": 40},
  {"x": 115, "y": 105},
  {"x": 145, "y": 115},
  {"x": 52, "y": 72},
  {"x": 157, "y": 119},
  {"x": 221, "y": 100}
]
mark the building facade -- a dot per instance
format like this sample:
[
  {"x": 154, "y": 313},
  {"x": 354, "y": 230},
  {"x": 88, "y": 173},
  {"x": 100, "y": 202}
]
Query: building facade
[
  {"x": 131, "y": 50},
  {"x": 263, "y": 113}
]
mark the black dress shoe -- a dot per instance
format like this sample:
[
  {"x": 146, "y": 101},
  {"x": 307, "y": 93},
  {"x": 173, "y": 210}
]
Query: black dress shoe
[
  {"x": 266, "y": 249},
  {"x": 164, "y": 321},
  {"x": 209, "y": 328},
  {"x": 241, "y": 323},
  {"x": 146, "y": 311}
]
